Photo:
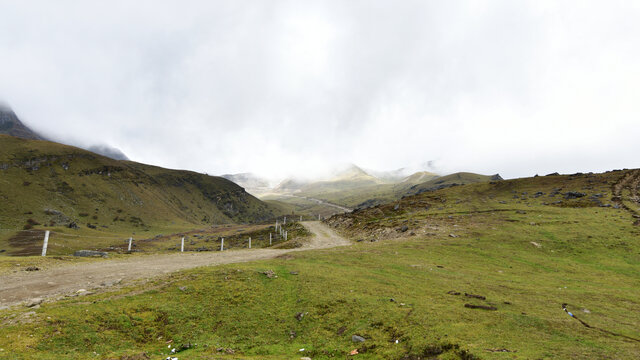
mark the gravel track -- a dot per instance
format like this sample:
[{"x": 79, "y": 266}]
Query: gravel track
[{"x": 54, "y": 282}]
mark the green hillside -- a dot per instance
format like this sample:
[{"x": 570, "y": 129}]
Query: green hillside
[
  {"x": 460, "y": 178},
  {"x": 480, "y": 271},
  {"x": 363, "y": 194},
  {"x": 51, "y": 186}
]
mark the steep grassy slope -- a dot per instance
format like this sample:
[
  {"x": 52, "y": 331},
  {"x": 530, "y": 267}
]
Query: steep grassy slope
[
  {"x": 520, "y": 249},
  {"x": 461, "y": 178},
  {"x": 45, "y": 185}
]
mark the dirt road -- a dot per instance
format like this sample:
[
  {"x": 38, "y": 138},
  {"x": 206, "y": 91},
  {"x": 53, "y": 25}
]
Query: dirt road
[{"x": 49, "y": 283}]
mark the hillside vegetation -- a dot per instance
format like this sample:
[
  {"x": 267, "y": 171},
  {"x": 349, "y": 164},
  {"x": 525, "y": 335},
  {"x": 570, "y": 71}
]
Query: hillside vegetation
[
  {"x": 365, "y": 195},
  {"x": 49, "y": 186},
  {"x": 480, "y": 271}
]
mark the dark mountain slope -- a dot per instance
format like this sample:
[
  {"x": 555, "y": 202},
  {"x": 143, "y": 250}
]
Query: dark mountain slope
[
  {"x": 58, "y": 185},
  {"x": 11, "y": 125}
]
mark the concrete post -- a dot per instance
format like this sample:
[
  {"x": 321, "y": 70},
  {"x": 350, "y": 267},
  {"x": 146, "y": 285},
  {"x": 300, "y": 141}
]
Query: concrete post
[{"x": 46, "y": 243}]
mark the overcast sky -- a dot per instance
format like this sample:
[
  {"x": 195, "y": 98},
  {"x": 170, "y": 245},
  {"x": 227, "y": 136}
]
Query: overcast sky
[{"x": 296, "y": 87}]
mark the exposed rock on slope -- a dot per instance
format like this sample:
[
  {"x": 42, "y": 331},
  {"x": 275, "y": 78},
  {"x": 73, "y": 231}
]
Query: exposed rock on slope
[{"x": 11, "y": 125}]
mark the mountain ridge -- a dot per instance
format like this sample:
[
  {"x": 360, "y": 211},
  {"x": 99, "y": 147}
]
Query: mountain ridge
[{"x": 11, "y": 125}]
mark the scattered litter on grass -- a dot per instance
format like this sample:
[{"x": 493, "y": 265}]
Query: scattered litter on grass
[{"x": 354, "y": 352}]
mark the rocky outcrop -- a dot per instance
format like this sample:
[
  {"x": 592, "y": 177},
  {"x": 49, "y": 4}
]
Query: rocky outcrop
[{"x": 11, "y": 125}]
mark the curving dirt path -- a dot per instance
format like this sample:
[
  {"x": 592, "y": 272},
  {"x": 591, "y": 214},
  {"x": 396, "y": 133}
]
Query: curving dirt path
[{"x": 49, "y": 283}]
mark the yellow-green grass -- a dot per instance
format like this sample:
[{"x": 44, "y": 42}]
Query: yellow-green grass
[{"x": 395, "y": 288}]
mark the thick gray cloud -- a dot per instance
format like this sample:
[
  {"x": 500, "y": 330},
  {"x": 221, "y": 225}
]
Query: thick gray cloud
[{"x": 286, "y": 87}]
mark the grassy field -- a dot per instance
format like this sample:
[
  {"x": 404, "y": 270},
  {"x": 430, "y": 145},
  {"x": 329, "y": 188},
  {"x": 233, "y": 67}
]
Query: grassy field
[{"x": 402, "y": 286}]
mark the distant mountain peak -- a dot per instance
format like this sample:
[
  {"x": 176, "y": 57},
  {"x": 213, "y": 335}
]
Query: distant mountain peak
[
  {"x": 420, "y": 177},
  {"x": 351, "y": 171},
  {"x": 11, "y": 125}
]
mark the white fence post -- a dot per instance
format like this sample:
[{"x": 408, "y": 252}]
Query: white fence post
[
  {"x": 276, "y": 225},
  {"x": 46, "y": 243},
  {"x": 222, "y": 244},
  {"x": 130, "y": 241},
  {"x": 249, "y": 242},
  {"x": 300, "y": 217},
  {"x": 286, "y": 235},
  {"x": 269, "y": 239},
  {"x": 318, "y": 217},
  {"x": 285, "y": 220},
  {"x": 182, "y": 245}
]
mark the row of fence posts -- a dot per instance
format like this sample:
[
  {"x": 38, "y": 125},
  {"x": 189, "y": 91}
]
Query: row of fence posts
[{"x": 283, "y": 233}]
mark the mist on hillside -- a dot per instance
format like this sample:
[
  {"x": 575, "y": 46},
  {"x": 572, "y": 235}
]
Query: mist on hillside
[{"x": 286, "y": 89}]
